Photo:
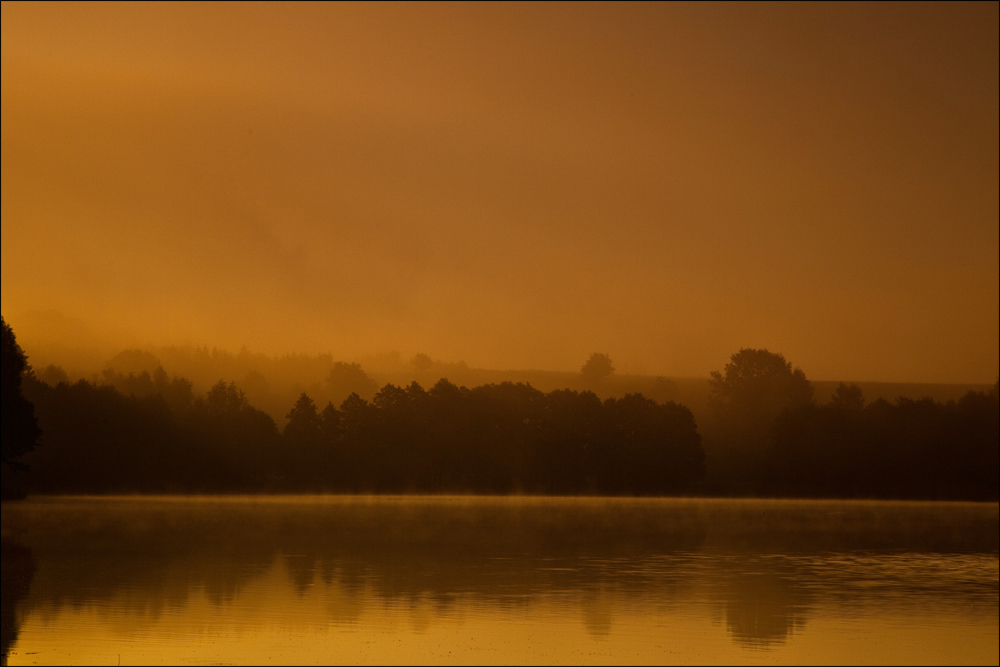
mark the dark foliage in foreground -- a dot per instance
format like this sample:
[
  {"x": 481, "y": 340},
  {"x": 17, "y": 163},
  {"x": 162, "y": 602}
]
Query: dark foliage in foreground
[
  {"x": 767, "y": 437},
  {"x": 906, "y": 449},
  {"x": 503, "y": 438},
  {"x": 491, "y": 439},
  {"x": 495, "y": 439},
  {"x": 159, "y": 438}
]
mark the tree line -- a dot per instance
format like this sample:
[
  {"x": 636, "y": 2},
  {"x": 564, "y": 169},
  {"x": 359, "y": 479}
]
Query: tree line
[
  {"x": 149, "y": 432},
  {"x": 765, "y": 436},
  {"x": 497, "y": 438},
  {"x": 502, "y": 438}
]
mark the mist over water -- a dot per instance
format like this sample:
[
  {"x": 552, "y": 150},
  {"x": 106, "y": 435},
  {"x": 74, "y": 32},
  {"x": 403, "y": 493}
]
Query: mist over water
[
  {"x": 408, "y": 248},
  {"x": 457, "y": 579}
]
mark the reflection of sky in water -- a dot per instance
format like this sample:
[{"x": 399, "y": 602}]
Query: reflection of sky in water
[{"x": 501, "y": 580}]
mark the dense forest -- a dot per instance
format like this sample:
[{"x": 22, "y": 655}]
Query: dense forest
[
  {"x": 765, "y": 435},
  {"x": 273, "y": 383},
  {"x": 493, "y": 439}
]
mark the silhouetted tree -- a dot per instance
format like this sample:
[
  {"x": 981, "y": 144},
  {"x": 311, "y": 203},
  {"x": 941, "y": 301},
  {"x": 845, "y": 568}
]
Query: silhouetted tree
[
  {"x": 52, "y": 375},
  {"x": 906, "y": 449},
  {"x": 421, "y": 362},
  {"x": 346, "y": 379},
  {"x": 177, "y": 391},
  {"x": 848, "y": 397},
  {"x": 505, "y": 437},
  {"x": 744, "y": 400},
  {"x": 354, "y": 411},
  {"x": 304, "y": 422},
  {"x": 98, "y": 440},
  {"x": 756, "y": 386},
  {"x": 236, "y": 443},
  {"x": 331, "y": 426},
  {"x": 154, "y": 439},
  {"x": 597, "y": 368},
  {"x": 147, "y": 432},
  {"x": 656, "y": 446},
  {"x": 306, "y": 449},
  {"x": 19, "y": 425}
]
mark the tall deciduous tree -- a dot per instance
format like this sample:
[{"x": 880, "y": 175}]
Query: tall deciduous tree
[
  {"x": 745, "y": 399},
  {"x": 346, "y": 379},
  {"x": 756, "y": 386},
  {"x": 597, "y": 368}
]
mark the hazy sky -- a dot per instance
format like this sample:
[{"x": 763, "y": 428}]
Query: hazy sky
[{"x": 512, "y": 185}]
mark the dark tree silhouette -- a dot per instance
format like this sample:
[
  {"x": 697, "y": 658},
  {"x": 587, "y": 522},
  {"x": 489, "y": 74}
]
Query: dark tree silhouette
[
  {"x": 331, "y": 426},
  {"x": 304, "y": 422},
  {"x": 506, "y": 437},
  {"x": 744, "y": 400},
  {"x": 156, "y": 438},
  {"x": 755, "y": 387},
  {"x": 848, "y": 397},
  {"x": 305, "y": 445},
  {"x": 148, "y": 432},
  {"x": 19, "y": 425},
  {"x": 52, "y": 375},
  {"x": 421, "y": 362},
  {"x": 346, "y": 379},
  {"x": 239, "y": 440},
  {"x": 177, "y": 392},
  {"x": 906, "y": 449},
  {"x": 597, "y": 368}
]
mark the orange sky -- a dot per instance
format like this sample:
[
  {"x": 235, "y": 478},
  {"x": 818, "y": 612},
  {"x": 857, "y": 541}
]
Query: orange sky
[{"x": 513, "y": 185}]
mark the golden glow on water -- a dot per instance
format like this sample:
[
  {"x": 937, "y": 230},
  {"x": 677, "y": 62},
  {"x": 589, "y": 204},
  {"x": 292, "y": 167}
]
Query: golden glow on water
[
  {"x": 188, "y": 583},
  {"x": 266, "y": 626}
]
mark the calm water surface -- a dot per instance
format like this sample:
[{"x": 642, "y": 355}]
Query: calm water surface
[{"x": 497, "y": 580}]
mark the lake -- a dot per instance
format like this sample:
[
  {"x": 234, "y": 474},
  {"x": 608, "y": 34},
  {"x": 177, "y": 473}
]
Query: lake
[{"x": 417, "y": 579}]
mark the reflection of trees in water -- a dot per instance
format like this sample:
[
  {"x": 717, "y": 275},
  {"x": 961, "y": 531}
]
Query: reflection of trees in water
[
  {"x": 506, "y": 556},
  {"x": 18, "y": 568},
  {"x": 598, "y": 613},
  {"x": 431, "y": 555},
  {"x": 150, "y": 556},
  {"x": 785, "y": 556},
  {"x": 764, "y": 608}
]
